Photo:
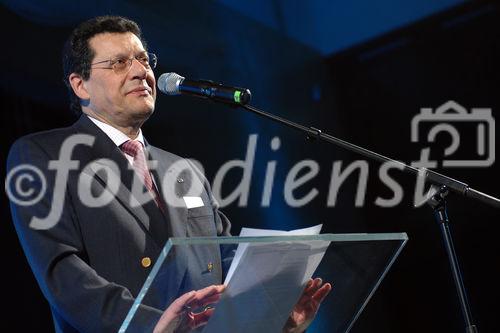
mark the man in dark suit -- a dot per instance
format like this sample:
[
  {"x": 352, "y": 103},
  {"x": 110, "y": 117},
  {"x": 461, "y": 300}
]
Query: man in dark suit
[{"x": 110, "y": 200}]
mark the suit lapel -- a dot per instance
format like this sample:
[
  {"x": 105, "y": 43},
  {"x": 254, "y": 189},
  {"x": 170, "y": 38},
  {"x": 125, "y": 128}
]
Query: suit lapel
[
  {"x": 147, "y": 214},
  {"x": 171, "y": 186}
]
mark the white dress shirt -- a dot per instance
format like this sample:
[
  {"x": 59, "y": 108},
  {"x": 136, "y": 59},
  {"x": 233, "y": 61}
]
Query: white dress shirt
[{"x": 117, "y": 136}]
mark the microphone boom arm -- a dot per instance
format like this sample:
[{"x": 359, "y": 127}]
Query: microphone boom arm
[{"x": 431, "y": 176}]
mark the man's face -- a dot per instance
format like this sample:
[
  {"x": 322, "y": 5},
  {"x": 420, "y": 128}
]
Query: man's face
[{"x": 126, "y": 98}]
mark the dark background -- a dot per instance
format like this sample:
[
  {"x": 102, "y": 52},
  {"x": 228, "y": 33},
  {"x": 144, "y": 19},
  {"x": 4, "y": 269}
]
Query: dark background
[{"x": 366, "y": 92}]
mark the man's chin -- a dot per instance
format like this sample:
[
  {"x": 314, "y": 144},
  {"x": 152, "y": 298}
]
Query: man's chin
[
  {"x": 144, "y": 113},
  {"x": 145, "y": 108}
]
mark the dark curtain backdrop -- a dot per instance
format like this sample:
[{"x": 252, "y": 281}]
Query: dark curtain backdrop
[{"x": 367, "y": 94}]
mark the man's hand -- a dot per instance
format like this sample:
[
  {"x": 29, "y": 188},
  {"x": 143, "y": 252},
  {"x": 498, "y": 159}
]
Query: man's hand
[
  {"x": 178, "y": 317},
  {"x": 306, "y": 308}
]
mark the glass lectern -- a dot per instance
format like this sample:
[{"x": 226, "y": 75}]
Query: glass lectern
[{"x": 265, "y": 277}]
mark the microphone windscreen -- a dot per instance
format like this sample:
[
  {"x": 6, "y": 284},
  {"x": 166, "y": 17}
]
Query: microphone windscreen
[{"x": 168, "y": 83}]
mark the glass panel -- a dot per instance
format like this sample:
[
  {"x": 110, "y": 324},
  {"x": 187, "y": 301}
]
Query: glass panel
[{"x": 269, "y": 279}]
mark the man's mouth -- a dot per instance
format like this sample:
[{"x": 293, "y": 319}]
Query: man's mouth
[{"x": 143, "y": 90}]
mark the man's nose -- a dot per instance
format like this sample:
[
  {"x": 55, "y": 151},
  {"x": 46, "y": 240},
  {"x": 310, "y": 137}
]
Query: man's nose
[{"x": 137, "y": 70}]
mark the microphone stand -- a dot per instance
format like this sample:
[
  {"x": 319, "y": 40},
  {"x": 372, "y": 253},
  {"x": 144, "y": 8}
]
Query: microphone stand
[{"x": 436, "y": 198}]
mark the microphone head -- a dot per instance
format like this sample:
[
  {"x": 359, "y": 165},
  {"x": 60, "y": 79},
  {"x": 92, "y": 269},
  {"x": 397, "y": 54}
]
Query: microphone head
[{"x": 168, "y": 83}]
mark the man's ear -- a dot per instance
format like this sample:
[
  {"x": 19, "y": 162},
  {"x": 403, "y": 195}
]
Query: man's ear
[{"x": 78, "y": 85}]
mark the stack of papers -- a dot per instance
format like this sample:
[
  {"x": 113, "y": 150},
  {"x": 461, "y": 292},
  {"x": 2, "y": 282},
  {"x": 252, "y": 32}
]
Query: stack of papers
[{"x": 265, "y": 281}]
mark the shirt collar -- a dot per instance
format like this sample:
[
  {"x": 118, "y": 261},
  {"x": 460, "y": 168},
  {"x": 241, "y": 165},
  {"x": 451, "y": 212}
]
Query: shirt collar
[{"x": 117, "y": 136}]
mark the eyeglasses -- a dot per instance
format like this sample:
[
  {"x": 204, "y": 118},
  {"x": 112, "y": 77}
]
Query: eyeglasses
[{"x": 121, "y": 65}]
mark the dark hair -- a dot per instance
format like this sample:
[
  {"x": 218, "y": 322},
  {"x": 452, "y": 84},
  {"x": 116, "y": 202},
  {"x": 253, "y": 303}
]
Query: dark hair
[{"x": 78, "y": 55}]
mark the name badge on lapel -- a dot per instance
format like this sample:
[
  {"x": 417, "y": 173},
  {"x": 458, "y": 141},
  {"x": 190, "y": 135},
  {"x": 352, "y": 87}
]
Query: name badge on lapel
[{"x": 193, "y": 202}]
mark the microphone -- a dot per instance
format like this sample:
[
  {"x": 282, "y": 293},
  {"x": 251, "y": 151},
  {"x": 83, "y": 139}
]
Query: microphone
[{"x": 174, "y": 84}]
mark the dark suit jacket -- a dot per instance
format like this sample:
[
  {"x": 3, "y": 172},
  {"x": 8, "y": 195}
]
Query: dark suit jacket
[{"x": 88, "y": 264}]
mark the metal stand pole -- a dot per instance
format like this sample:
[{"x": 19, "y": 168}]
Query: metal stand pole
[{"x": 438, "y": 204}]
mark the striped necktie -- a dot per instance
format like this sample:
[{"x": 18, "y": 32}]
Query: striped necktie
[{"x": 135, "y": 149}]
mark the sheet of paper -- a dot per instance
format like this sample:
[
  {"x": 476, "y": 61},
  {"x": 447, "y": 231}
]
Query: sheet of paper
[
  {"x": 266, "y": 283},
  {"x": 251, "y": 232}
]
